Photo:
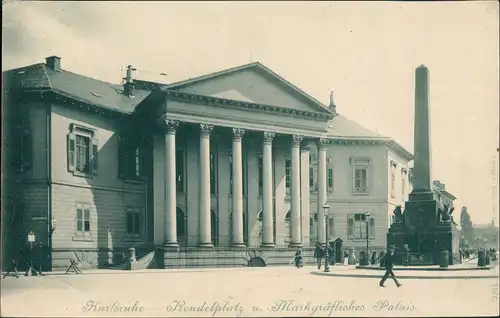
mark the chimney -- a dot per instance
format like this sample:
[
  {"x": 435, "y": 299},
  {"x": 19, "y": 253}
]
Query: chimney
[
  {"x": 128, "y": 86},
  {"x": 332, "y": 106},
  {"x": 53, "y": 62}
]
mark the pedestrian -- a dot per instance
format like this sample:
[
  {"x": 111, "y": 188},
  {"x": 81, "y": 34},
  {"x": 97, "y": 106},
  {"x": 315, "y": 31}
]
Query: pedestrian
[
  {"x": 318, "y": 254},
  {"x": 406, "y": 259},
  {"x": 390, "y": 259},
  {"x": 346, "y": 258},
  {"x": 331, "y": 255},
  {"x": 298, "y": 258}
]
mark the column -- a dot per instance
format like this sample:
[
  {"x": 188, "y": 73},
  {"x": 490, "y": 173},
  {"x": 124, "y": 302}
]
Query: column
[
  {"x": 237, "y": 195},
  {"x": 296, "y": 240},
  {"x": 170, "y": 185},
  {"x": 204, "y": 225},
  {"x": 305, "y": 201},
  {"x": 321, "y": 190},
  {"x": 267, "y": 190}
]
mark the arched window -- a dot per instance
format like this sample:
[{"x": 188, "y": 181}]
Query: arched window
[
  {"x": 181, "y": 221},
  {"x": 214, "y": 227},
  {"x": 288, "y": 228},
  {"x": 259, "y": 220}
]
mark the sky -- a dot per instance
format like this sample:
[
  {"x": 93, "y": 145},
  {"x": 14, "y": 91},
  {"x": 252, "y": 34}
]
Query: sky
[{"x": 365, "y": 52}]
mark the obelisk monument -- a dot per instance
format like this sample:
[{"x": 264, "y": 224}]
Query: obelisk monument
[
  {"x": 420, "y": 226},
  {"x": 421, "y": 173}
]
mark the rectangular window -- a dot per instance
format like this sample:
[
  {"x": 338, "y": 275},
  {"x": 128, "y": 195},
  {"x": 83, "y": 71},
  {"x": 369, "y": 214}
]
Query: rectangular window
[
  {"x": 244, "y": 174},
  {"x": 331, "y": 227},
  {"x": 393, "y": 179},
  {"x": 213, "y": 173},
  {"x": 179, "y": 170},
  {"x": 231, "y": 174},
  {"x": 360, "y": 179},
  {"x": 261, "y": 182},
  {"x": 130, "y": 158},
  {"x": 288, "y": 176},
  {"x": 403, "y": 183},
  {"x": 311, "y": 178},
  {"x": 82, "y": 153},
  {"x": 357, "y": 226},
  {"x": 361, "y": 168},
  {"x": 329, "y": 179},
  {"x": 134, "y": 222},
  {"x": 83, "y": 219}
]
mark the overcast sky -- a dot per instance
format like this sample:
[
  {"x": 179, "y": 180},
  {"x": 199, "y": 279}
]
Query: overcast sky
[{"x": 365, "y": 52}]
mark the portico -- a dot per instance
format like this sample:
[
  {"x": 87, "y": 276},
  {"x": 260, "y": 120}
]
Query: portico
[{"x": 241, "y": 165}]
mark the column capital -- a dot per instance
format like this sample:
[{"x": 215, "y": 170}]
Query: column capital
[
  {"x": 306, "y": 146},
  {"x": 321, "y": 142},
  {"x": 238, "y": 134},
  {"x": 171, "y": 126},
  {"x": 296, "y": 140},
  {"x": 206, "y": 130},
  {"x": 268, "y": 137}
]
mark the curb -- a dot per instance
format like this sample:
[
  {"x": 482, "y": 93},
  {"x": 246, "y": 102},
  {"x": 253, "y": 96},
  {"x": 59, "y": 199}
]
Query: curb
[
  {"x": 429, "y": 269},
  {"x": 403, "y": 277}
]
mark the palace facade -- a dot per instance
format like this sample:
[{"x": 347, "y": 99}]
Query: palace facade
[{"x": 216, "y": 170}]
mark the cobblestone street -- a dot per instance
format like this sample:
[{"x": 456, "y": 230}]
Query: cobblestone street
[{"x": 275, "y": 291}]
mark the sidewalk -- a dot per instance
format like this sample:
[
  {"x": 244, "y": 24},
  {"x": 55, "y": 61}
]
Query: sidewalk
[
  {"x": 270, "y": 269},
  {"x": 417, "y": 274}
]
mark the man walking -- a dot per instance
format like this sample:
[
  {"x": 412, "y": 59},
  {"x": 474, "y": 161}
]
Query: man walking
[
  {"x": 389, "y": 263},
  {"x": 318, "y": 254}
]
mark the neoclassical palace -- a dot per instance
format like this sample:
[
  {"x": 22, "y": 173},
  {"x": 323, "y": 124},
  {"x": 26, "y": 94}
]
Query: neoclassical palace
[{"x": 216, "y": 170}]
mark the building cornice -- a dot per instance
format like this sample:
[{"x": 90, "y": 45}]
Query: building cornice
[
  {"x": 56, "y": 97},
  {"x": 371, "y": 142},
  {"x": 223, "y": 102}
]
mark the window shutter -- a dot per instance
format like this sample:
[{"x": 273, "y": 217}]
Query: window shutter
[
  {"x": 93, "y": 156},
  {"x": 71, "y": 152},
  {"x": 372, "y": 228},
  {"x": 350, "y": 226}
]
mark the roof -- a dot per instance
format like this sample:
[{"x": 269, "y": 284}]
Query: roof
[
  {"x": 256, "y": 66},
  {"x": 75, "y": 86},
  {"x": 342, "y": 127}
]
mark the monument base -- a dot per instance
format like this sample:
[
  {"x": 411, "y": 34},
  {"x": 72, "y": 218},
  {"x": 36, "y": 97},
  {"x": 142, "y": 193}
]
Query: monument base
[{"x": 425, "y": 236}]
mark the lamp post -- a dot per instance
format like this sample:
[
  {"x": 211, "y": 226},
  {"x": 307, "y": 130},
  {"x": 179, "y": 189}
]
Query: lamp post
[
  {"x": 367, "y": 220},
  {"x": 326, "y": 209}
]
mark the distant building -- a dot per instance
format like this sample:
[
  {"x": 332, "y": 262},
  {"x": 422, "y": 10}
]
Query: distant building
[
  {"x": 234, "y": 160},
  {"x": 488, "y": 235}
]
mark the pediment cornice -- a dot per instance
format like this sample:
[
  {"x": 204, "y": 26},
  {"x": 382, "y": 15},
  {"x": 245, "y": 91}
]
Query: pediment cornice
[{"x": 236, "y": 104}]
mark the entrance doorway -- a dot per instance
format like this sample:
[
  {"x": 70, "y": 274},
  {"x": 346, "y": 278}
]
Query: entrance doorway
[
  {"x": 181, "y": 227},
  {"x": 214, "y": 228}
]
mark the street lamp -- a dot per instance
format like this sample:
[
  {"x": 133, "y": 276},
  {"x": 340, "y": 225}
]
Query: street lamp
[
  {"x": 326, "y": 209},
  {"x": 367, "y": 220}
]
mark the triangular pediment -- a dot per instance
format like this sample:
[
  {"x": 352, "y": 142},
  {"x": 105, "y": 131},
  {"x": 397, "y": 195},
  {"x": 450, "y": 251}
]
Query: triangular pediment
[{"x": 252, "y": 83}]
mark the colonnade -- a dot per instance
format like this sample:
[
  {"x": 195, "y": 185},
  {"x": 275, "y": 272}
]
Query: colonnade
[{"x": 204, "y": 228}]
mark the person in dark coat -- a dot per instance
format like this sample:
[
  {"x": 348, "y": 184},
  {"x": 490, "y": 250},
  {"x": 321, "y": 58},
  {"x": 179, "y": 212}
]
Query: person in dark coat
[
  {"x": 390, "y": 259},
  {"x": 318, "y": 254},
  {"x": 298, "y": 258},
  {"x": 331, "y": 255},
  {"x": 406, "y": 260}
]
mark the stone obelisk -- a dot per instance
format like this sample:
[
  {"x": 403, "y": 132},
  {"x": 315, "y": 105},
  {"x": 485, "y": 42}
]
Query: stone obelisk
[{"x": 421, "y": 173}]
